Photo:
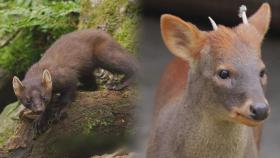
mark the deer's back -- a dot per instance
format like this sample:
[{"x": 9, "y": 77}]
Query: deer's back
[{"x": 173, "y": 83}]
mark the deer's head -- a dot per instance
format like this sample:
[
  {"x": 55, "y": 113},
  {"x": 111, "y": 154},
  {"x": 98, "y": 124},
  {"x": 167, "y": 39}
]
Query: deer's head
[{"x": 227, "y": 61}]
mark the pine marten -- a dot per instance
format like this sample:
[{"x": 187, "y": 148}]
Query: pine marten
[{"x": 72, "y": 58}]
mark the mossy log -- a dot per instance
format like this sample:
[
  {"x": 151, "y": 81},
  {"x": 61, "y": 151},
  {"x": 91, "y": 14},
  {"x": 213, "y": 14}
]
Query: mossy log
[{"x": 96, "y": 123}]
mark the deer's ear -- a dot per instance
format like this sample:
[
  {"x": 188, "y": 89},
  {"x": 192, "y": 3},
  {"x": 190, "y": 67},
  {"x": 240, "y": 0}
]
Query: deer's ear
[
  {"x": 17, "y": 86},
  {"x": 47, "y": 80},
  {"x": 183, "y": 39},
  {"x": 261, "y": 19}
]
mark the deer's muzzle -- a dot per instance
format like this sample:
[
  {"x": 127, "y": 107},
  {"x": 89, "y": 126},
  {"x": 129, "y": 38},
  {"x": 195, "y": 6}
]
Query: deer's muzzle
[{"x": 250, "y": 114}]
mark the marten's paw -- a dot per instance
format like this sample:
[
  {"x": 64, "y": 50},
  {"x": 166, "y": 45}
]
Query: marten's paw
[
  {"x": 115, "y": 87},
  {"x": 60, "y": 115},
  {"x": 40, "y": 125}
]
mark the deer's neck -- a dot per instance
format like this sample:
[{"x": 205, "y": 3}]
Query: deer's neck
[{"x": 212, "y": 139}]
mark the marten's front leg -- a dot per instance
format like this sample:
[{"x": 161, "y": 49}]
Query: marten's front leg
[
  {"x": 67, "y": 95},
  {"x": 40, "y": 124}
]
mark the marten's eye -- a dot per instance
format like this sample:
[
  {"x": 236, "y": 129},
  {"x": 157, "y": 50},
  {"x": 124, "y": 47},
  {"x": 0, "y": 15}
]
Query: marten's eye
[
  {"x": 262, "y": 73},
  {"x": 224, "y": 74},
  {"x": 28, "y": 102}
]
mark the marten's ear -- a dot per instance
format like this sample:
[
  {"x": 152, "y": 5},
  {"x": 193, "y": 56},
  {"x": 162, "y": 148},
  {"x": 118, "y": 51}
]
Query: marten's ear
[
  {"x": 261, "y": 19},
  {"x": 18, "y": 86},
  {"x": 182, "y": 38},
  {"x": 47, "y": 80}
]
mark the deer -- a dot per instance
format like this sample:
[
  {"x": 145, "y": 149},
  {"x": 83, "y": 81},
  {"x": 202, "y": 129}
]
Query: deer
[{"x": 211, "y": 100}]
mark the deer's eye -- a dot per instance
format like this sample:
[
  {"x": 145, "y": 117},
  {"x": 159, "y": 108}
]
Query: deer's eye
[
  {"x": 262, "y": 73},
  {"x": 224, "y": 74}
]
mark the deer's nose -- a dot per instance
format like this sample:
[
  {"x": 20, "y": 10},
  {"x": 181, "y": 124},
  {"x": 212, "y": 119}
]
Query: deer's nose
[{"x": 259, "y": 111}]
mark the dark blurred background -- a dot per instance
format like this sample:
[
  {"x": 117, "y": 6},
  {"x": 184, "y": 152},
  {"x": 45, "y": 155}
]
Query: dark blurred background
[
  {"x": 223, "y": 11},
  {"x": 154, "y": 55}
]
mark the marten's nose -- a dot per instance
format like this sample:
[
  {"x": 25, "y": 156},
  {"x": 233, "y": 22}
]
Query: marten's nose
[
  {"x": 259, "y": 111},
  {"x": 38, "y": 109}
]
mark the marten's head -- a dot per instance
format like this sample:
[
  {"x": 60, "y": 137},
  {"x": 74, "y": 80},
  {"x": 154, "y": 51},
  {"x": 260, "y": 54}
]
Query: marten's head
[{"x": 36, "y": 93}]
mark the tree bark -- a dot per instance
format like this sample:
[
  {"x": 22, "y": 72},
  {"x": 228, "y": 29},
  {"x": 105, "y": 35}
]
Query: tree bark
[{"x": 96, "y": 122}]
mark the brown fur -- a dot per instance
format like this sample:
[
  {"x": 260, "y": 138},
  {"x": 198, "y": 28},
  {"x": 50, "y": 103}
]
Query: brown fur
[
  {"x": 176, "y": 70},
  {"x": 199, "y": 114},
  {"x": 77, "y": 54}
]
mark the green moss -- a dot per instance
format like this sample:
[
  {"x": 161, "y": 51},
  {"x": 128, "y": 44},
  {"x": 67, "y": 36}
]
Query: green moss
[
  {"x": 27, "y": 29},
  {"x": 118, "y": 17},
  {"x": 8, "y": 121},
  {"x": 95, "y": 119},
  {"x": 126, "y": 35},
  {"x": 22, "y": 51}
]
